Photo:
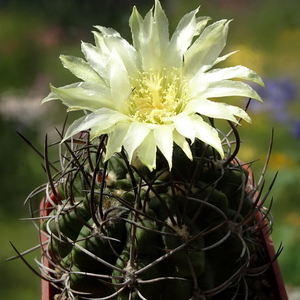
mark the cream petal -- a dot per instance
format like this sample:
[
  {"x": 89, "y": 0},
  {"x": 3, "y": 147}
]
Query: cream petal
[
  {"x": 80, "y": 68},
  {"x": 99, "y": 120},
  {"x": 202, "y": 81},
  {"x": 183, "y": 144},
  {"x": 184, "y": 126},
  {"x": 226, "y": 88},
  {"x": 206, "y": 49},
  {"x": 161, "y": 26},
  {"x": 210, "y": 109},
  {"x": 127, "y": 52},
  {"x": 136, "y": 24},
  {"x": 97, "y": 58},
  {"x": 188, "y": 27},
  {"x": 147, "y": 151},
  {"x": 163, "y": 135},
  {"x": 100, "y": 43},
  {"x": 239, "y": 72},
  {"x": 111, "y": 121},
  {"x": 137, "y": 132},
  {"x": 207, "y": 134},
  {"x": 52, "y": 96},
  {"x": 224, "y": 57},
  {"x": 120, "y": 86},
  {"x": 239, "y": 112},
  {"x": 115, "y": 138},
  {"x": 201, "y": 24},
  {"x": 87, "y": 96},
  {"x": 150, "y": 36},
  {"x": 108, "y": 31}
]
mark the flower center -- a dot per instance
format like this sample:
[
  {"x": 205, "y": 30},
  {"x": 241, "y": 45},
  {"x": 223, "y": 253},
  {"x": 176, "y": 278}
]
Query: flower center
[{"x": 158, "y": 96}]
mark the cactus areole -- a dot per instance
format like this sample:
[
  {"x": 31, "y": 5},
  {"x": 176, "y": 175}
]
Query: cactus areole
[{"x": 148, "y": 200}]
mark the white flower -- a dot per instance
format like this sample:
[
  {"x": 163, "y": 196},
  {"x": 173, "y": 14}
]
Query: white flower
[{"x": 155, "y": 92}]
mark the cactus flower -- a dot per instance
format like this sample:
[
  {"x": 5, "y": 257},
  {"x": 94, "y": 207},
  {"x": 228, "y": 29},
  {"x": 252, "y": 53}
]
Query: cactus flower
[{"x": 157, "y": 91}]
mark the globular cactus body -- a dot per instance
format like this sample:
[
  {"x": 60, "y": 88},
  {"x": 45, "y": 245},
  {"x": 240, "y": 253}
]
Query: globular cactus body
[{"x": 123, "y": 232}]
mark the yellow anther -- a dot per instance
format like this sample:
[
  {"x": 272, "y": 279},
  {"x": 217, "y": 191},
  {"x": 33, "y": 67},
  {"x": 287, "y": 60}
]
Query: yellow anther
[{"x": 157, "y": 96}]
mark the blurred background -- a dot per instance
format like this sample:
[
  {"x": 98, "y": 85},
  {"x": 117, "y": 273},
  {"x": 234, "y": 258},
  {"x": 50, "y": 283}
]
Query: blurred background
[{"x": 33, "y": 33}]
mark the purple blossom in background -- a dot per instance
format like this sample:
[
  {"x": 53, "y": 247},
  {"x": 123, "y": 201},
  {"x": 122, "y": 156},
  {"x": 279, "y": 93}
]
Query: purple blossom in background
[
  {"x": 296, "y": 129},
  {"x": 277, "y": 95}
]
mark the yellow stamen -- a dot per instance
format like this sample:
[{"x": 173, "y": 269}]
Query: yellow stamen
[{"x": 157, "y": 96}]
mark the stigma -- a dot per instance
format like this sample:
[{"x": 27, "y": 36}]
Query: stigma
[{"x": 157, "y": 96}]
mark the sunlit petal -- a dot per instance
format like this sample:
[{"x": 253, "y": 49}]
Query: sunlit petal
[
  {"x": 96, "y": 58},
  {"x": 206, "y": 49},
  {"x": 226, "y": 88},
  {"x": 210, "y": 109},
  {"x": 202, "y": 81},
  {"x": 147, "y": 151},
  {"x": 183, "y": 144},
  {"x": 237, "y": 111},
  {"x": 238, "y": 72},
  {"x": 99, "y": 121},
  {"x": 184, "y": 126},
  {"x": 164, "y": 140},
  {"x": 136, "y": 133},
  {"x": 85, "y": 95},
  {"x": 207, "y": 134},
  {"x": 188, "y": 27},
  {"x": 80, "y": 68},
  {"x": 115, "y": 138},
  {"x": 120, "y": 86},
  {"x": 52, "y": 95},
  {"x": 107, "y": 122},
  {"x": 127, "y": 52},
  {"x": 150, "y": 36}
]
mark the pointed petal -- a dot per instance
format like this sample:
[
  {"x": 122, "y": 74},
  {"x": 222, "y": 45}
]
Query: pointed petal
[
  {"x": 239, "y": 112},
  {"x": 207, "y": 134},
  {"x": 188, "y": 27},
  {"x": 164, "y": 140},
  {"x": 52, "y": 96},
  {"x": 97, "y": 58},
  {"x": 107, "y": 121},
  {"x": 136, "y": 23},
  {"x": 150, "y": 36},
  {"x": 127, "y": 52},
  {"x": 108, "y": 31},
  {"x": 99, "y": 121},
  {"x": 161, "y": 28},
  {"x": 147, "y": 151},
  {"x": 224, "y": 57},
  {"x": 202, "y": 81},
  {"x": 226, "y": 88},
  {"x": 206, "y": 49},
  {"x": 80, "y": 69},
  {"x": 115, "y": 139},
  {"x": 210, "y": 109},
  {"x": 137, "y": 132},
  {"x": 184, "y": 126},
  {"x": 100, "y": 43},
  {"x": 183, "y": 144},
  {"x": 239, "y": 72},
  {"x": 120, "y": 86},
  {"x": 87, "y": 96}
]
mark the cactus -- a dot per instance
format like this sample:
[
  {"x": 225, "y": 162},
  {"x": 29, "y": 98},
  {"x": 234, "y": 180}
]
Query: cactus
[
  {"x": 117, "y": 231},
  {"x": 151, "y": 203}
]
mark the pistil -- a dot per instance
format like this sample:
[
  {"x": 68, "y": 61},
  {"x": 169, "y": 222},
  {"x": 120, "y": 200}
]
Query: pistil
[{"x": 157, "y": 96}]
